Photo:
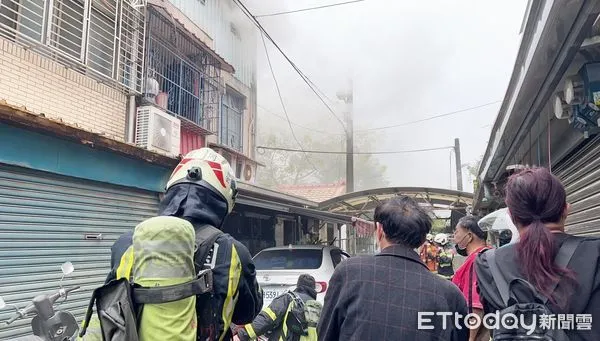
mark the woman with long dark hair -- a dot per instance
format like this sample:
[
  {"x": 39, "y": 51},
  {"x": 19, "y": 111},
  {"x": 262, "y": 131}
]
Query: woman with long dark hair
[{"x": 559, "y": 269}]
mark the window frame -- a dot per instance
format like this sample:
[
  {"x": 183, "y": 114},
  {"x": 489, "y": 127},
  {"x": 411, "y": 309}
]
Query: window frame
[
  {"x": 61, "y": 30},
  {"x": 232, "y": 114}
]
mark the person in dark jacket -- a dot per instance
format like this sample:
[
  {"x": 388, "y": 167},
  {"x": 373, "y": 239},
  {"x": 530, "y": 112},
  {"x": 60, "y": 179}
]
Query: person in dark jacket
[
  {"x": 271, "y": 319},
  {"x": 202, "y": 191},
  {"x": 536, "y": 200},
  {"x": 392, "y": 295}
]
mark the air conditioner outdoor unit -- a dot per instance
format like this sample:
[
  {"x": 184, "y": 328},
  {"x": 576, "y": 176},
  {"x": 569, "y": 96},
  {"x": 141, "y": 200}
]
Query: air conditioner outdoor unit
[
  {"x": 249, "y": 173},
  {"x": 157, "y": 131}
]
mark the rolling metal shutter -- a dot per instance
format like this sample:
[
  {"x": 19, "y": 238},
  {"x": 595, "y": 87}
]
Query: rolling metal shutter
[
  {"x": 46, "y": 220},
  {"x": 580, "y": 173}
]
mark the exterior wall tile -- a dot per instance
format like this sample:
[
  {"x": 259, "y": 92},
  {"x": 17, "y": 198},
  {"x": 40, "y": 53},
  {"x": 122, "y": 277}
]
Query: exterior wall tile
[{"x": 44, "y": 86}]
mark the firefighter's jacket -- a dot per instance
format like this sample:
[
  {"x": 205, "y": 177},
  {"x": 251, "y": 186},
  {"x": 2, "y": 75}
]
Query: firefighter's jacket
[
  {"x": 271, "y": 321},
  {"x": 445, "y": 267},
  {"x": 237, "y": 295}
]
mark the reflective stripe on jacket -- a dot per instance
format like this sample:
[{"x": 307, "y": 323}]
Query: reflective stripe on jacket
[
  {"x": 237, "y": 296},
  {"x": 271, "y": 321}
]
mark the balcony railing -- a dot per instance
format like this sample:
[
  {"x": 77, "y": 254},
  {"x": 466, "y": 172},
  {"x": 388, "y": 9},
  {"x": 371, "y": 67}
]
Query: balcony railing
[{"x": 181, "y": 75}]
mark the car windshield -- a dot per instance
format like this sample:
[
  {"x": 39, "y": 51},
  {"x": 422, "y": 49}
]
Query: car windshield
[{"x": 289, "y": 259}]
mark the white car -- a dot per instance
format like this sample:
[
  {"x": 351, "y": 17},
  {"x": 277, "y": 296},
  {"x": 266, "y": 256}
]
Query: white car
[{"x": 278, "y": 268}]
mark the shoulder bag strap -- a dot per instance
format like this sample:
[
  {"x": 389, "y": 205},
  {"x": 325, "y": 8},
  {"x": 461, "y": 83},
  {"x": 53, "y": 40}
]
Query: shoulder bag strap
[
  {"x": 471, "y": 270},
  {"x": 565, "y": 253},
  {"x": 471, "y": 288},
  {"x": 499, "y": 280},
  {"x": 206, "y": 237}
]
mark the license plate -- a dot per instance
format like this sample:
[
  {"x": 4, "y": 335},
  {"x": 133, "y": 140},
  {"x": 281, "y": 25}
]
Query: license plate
[{"x": 271, "y": 294}]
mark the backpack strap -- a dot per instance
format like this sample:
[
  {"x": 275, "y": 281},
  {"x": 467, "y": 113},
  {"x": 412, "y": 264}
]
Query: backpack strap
[
  {"x": 155, "y": 295},
  {"x": 471, "y": 270},
  {"x": 565, "y": 253},
  {"x": 501, "y": 283},
  {"x": 206, "y": 236},
  {"x": 296, "y": 298},
  {"x": 89, "y": 312}
]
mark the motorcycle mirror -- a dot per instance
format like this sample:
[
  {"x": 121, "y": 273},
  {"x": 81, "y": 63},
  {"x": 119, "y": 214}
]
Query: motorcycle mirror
[{"x": 67, "y": 268}]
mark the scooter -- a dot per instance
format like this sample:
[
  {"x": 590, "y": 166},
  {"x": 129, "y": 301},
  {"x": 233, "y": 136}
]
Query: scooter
[{"x": 47, "y": 324}]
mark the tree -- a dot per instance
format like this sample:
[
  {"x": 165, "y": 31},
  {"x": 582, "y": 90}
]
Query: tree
[
  {"x": 473, "y": 171},
  {"x": 473, "y": 167},
  {"x": 288, "y": 167},
  {"x": 438, "y": 226}
]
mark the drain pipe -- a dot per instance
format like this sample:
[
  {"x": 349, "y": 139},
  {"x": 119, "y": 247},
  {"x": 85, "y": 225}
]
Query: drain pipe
[{"x": 130, "y": 120}]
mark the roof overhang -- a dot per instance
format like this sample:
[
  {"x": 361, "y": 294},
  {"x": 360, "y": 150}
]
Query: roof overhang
[
  {"x": 254, "y": 196},
  {"x": 169, "y": 10},
  {"x": 553, "y": 34},
  {"x": 363, "y": 202},
  {"x": 234, "y": 152},
  {"x": 20, "y": 117},
  {"x": 247, "y": 190}
]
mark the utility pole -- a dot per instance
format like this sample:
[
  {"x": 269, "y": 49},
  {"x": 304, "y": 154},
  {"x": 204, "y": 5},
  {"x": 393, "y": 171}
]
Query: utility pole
[
  {"x": 349, "y": 151},
  {"x": 459, "y": 182},
  {"x": 346, "y": 96}
]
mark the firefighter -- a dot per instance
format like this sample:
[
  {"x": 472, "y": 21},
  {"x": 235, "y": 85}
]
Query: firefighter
[
  {"x": 445, "y": 256},
  {"x": 202, "y": 190},
  {"x": 275, "y": 321}
]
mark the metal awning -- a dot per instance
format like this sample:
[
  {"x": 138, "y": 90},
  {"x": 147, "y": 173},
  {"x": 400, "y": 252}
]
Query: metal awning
[
  {"x": 248, "y": 190},
  {"x": 307, "y": 212},
  {"x": 363, "y": 202},
  {"x": 553, "y": 34},
  {"x": 322, "y": 215},
  {"x": 268, "y": 205},
  {"x": 290, "y": 209}
]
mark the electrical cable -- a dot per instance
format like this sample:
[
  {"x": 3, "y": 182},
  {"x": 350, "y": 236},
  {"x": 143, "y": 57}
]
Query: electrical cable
[
  {"x": 283, "y": 104},
  {"x": 355, "y": 153},
  {"x": 393, "y": 126},
  {"x": 430, "y": 118},
  {"x": 299, "y": 125},
  {"x": 305, "y": 78},
  {"x": 308, "y": 9}
]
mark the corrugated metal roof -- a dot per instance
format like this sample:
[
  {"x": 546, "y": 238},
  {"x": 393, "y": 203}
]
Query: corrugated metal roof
[{"x": 315, "y": 192}]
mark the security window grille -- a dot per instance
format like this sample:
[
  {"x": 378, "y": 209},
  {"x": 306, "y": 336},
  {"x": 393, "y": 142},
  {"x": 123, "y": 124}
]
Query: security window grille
[
  {"x": 232, "y": 120},
  {"x": 103, "y": 26},
  {"x": 101, "y": 38},
  {"x": 181, "y": 76}
]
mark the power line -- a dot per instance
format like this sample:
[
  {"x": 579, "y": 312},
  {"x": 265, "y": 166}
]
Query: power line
[
  {"x": 308, "y": 9},
  {"x": 431, "y": 118},
  {"x": 298, "y": 125},
  {"x": 283, "y": 104},
  {"x": 305, "y": 78},
  {"x": 356, "y": 153},
  {"x": 392, "y": 126}
]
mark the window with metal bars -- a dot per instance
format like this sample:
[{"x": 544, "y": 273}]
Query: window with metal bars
[
  {"x": 101, "y": 38},
  {"x": 232, "y": 110},
  {"x": 182, "y": 76}
]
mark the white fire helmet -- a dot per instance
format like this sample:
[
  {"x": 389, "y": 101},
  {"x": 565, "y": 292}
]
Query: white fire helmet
[
  {"x": 441, "y": 238},
  {"x": 429, "y": 237},
  {"x": 209, "y": 169}
]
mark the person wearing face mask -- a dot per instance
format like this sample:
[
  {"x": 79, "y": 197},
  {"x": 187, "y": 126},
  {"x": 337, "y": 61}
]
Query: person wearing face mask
[
  {"x": 470, "y": 240},
  {"x": 379, "y": 297}
]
